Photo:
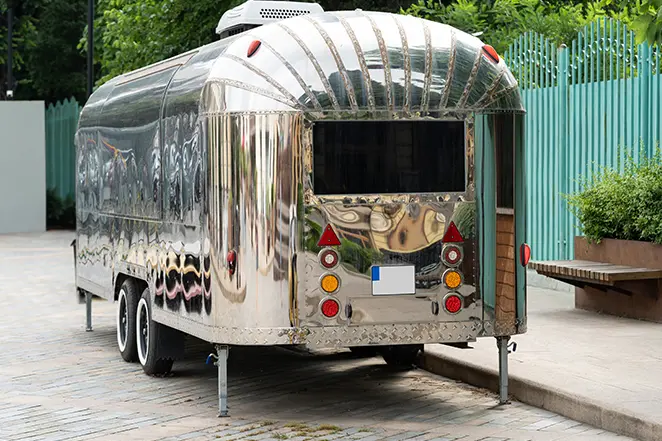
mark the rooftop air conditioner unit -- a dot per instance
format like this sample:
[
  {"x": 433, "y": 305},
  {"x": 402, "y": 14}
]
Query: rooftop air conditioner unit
[{"x": 255, "y": 13}]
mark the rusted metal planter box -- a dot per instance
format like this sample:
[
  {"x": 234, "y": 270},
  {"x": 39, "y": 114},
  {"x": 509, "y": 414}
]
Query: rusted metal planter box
[{"x": 643, "y": 300}]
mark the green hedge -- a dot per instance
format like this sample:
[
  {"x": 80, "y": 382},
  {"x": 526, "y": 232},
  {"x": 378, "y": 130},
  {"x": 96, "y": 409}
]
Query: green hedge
[
  {"x": 625, "y": 205},
  {"x": 60, "y": 213}
]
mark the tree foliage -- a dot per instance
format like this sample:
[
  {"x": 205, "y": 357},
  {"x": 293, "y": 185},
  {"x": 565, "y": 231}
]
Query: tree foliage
[
  {"x": 56, "y": 69},
  {"x": 134, "y": 33},
  {"x": 49, "y": 35},
  {"x": 502, "y": 21},
  {"x": 648, "y": 24},
  {"x": 24, "y": 38},
  {"x": 46, "y": 63}
]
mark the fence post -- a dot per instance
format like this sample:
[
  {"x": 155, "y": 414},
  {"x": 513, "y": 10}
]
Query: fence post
[
  {"x": 644, "y": 100},
  {"x": 562, "y": 150}
]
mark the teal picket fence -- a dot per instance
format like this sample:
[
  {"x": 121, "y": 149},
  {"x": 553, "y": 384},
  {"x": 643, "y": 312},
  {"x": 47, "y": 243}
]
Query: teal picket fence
[
  {"x": 588, "y": 105},
  {"x": 61, "y": 123}
]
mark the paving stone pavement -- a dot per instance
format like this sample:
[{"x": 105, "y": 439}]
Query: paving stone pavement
[{"x": 58, "y": 382}]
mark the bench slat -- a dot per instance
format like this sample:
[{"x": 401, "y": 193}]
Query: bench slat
[
  {"x": 606, "y": 273},
  {"x": 634, "y": 274},
  {"x": 574, "y": 268}
]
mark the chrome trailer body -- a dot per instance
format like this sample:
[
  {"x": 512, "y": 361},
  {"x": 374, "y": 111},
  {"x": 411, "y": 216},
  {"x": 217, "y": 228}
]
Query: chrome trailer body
[{"x": 211, "y": 154}]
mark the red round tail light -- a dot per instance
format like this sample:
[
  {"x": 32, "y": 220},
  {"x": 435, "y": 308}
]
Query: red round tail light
[
  {"x": 328, "y": 258},
  {"x": 330, "y": 308},
  {"x": 453, "y": 303},
  {"x": 451, "y": 255}
]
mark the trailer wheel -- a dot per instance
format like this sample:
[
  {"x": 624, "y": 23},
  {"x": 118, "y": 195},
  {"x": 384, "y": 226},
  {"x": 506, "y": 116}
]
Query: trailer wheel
[
  {"x": 149, "y": 339},
  {"x": 127, "y": 302},
  {"x": 401, "y": 355}
]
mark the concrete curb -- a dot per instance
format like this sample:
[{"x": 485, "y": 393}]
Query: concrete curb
[{"x": 576, "y": 407}]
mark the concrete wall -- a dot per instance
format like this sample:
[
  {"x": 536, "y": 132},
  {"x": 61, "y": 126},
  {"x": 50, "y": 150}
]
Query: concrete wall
[{"x": 22, "y": 167}]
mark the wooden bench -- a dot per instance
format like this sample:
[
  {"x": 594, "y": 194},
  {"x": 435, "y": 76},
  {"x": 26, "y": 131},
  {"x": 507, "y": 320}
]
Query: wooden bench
[{"x": 623, "y": 279}]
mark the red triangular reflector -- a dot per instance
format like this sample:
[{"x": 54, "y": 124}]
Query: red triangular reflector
[
  {"x": 329, "y": 238},
  {"x": 452, "y": 234}
]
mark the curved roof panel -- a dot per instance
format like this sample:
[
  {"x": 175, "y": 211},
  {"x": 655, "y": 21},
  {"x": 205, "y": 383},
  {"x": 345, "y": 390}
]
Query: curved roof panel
[{"x": 360, "y": 62}]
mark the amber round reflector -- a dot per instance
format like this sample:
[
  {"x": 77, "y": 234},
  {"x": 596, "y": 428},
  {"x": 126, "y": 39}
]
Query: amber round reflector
[
  {"x": 329, "y": 259},
  {"x": 452, "y": 279},
  {"x": 453, "y": 303},
  {"x": 330, "y": 283},
  {"x": 330, "y": 308}
]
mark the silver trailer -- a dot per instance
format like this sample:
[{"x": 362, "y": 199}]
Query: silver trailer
[{"x": 318, "y": 179}]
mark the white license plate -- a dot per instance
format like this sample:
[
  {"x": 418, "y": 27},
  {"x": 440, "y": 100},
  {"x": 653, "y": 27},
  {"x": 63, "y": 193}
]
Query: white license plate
[{"x": 393, "y": 280}]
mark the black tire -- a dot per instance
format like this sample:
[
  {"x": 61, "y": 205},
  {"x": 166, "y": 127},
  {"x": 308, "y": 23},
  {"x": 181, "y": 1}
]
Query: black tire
[
  {"x": 364, "y": 351},
  {"x": 149, "y": 339},
  {"x": 401, "y": 355},
  {"x": 127, "y": 302}
]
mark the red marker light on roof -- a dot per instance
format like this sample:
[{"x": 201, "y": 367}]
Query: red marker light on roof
[
  {"x": 491, "y": 53},
  {"x": 329, "y": 238},
  {"x": 253, "y": 47},
  {"x": 452, "y": 235}
]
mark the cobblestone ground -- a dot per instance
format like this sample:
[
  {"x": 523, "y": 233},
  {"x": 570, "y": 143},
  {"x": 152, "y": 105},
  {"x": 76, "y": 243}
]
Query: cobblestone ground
[{"x": 58, "y": 382}]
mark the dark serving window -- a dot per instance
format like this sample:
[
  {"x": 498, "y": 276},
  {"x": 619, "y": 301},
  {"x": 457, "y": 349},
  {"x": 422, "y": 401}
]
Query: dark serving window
[{"x": 381, "y": 157}]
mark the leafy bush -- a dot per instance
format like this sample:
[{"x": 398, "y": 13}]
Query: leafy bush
[
  {"x": 625, "y": 205},
  {"x": 648, "y": 25},
  {"x": 503, "y": 21},
  {"x": 60, "y": 213}
]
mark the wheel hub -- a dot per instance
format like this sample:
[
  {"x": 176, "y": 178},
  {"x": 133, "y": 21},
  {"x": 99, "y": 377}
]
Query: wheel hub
[
  {"x": 124, "y": 330},
  {"x": 122, "y": 321},
  {"x": 144, "y": 332}
]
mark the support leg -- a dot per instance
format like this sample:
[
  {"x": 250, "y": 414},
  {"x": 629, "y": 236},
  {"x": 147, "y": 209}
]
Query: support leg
[
  {"x": 502, "y": 344},
  {"x": 222, "y": 364},
  {"x": 88, "y": 311}
]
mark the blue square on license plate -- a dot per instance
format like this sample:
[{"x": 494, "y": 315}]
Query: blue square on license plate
[{"x": 393, "y": 280}]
